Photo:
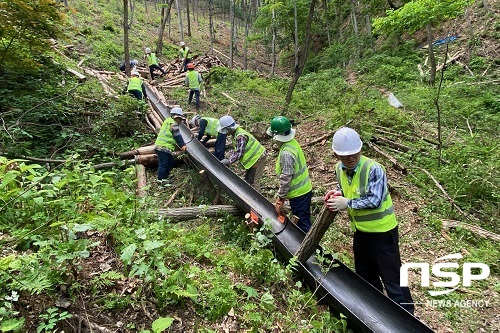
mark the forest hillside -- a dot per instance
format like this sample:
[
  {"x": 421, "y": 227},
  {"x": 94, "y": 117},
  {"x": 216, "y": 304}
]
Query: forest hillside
[{"x": 86, "y": 245}]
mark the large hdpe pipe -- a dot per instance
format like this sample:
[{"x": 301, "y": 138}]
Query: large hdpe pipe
[{"x": 367, "y": 309}]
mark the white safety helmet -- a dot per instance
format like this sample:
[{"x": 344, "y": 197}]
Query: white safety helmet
[
  {"x": 346, "y": 141},
  {"x": 194, "y": 119},
  {"x": 136, "y": 73},
  {"x": 176, "y": 112},
  {"x": 225, "y": 123},
  {"x": 182, "y": 43},
  {"x": 148, "y": 50}
]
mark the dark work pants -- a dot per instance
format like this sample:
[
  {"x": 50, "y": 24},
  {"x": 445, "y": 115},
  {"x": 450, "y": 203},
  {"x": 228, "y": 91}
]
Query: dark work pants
[
  {"x": 376, "y": 256},
  {"x": 301, "y": 207},
  {"x": 196, "y": 93},
  {"x": 152, "y": 69},
  {"x": 220, "y": 146},
  {"x": 165, "y": 163},
  {"x": 136, "y": 93}
]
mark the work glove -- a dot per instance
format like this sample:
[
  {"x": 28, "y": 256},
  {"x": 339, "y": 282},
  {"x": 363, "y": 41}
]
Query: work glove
[
  {"x": 337, "y": 203},
  {"x": 279, "y": 205},
  {"x": 225, "y": 161},
  {"x": 331, "y": 194}
]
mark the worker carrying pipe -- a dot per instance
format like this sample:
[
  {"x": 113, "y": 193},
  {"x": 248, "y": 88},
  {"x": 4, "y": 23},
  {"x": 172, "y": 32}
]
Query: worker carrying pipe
[
  {"x": 291, "y": 168},
  {"x": 247, "y": 150},
  {"x": 363, "y": 193},
  {"x": 207, "y": 128}
]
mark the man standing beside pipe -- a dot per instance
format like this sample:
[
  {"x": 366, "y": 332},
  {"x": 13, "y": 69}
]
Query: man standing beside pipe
[
  {"x": 250, "y": 153},
  {"x": 364, "y": 194},
  {"x": 291, "y": 168}
]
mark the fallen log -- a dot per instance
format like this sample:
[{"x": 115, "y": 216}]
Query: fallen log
[
  {"x": 80, "y": 76},
  {"x": 191, "y": 213},
  {"x": 391, "y": 143},
  {"x": 151, "y": 160},
  {"x": 450, "y": 224},
  {"x": 139, "y": 151},
  {"x": 394, "y": 162}
]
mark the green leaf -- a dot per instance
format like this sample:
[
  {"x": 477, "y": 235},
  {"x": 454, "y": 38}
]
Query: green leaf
[
  {"x": 82, "y": 227},
  {"x": 267, "y": 302},
  {"x": 193, "y": 291},
  {"x": 161, "y": 324},
  {"x": 151, "y": 245},
  {"x": 128, "y": 253},
  {"x": 251, "y": 292},
  {"x": 11, "y": 324}
]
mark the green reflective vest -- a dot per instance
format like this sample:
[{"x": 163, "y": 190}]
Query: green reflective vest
[
  {"x": 212, "y": 125},
  {"x": 379, "y": 219},
  {"x": 192, "y": 76},
  {"x": 134, "y": 83},
  {"x": 253, "y": 149},
  {"x": 184, "y": 52},
  {"x": 301, "y": 184},
  {"x": 152, "y": 60},
  {"x": 165, "y": 137}
]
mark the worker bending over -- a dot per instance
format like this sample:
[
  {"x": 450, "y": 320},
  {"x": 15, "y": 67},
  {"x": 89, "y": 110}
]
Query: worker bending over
[
  {"x": 250, "y": 153},
  {"x": 168, "y": 137},
  {"x": 207, "y": 129}
]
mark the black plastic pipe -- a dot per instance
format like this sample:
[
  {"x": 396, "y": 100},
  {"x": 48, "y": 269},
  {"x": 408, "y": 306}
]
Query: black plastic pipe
[{"x": 367, "y": 309}]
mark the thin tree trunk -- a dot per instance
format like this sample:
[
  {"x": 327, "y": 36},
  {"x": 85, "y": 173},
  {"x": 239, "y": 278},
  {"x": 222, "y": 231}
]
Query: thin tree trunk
[
  {"x": 188, "y": 18},
  {"x": 432, "y": 59},
  {"x": 354, "y": 20},
  {"x": 273, "y": 44},
  {"x": 211, "y": 25},
  {"x": 245, "y": 9},
  {"x": 179, "y": 15},
  {"x": 326, "y": 21},
  {"x": 231, "y": 44},
  {"x": 300, "y": 67},
  {"x": 125, "y": 37},
  {"x": 190, "y": 213}
]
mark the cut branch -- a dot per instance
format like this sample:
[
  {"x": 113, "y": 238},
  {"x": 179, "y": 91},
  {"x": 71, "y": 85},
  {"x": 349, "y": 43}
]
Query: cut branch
[{"x": 394, "y": 162}]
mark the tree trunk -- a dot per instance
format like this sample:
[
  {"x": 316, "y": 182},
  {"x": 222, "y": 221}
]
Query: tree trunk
[
  {"x": 354, "y": 20},
  {"x": 326, "y": 21},
  {"x": 211, "y": 25},
  {"x": 247, "y": 31},
  {"x": 273, "y": 44},
  {"x": 190, "y": 213},
  {"x": 300, "y": 67},
  {"x": 125, "y": 37},
  {"x": 188, "y": 18},
  {"x": 432, "y": 59},
  {"x": 181, "y": 31},
  {"x": 231, "y": 43},
  {"x": 315, "y": 234}
]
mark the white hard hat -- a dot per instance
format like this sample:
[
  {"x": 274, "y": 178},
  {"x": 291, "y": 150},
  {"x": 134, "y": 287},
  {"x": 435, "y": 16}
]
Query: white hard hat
[
  {"x": 176, "y": 112},
  {"x": 135, "y": 73},
  {"x": 148, "y": 50},
  {"x": 182, "y": 43},
  {"x": 225, "y": 123},
  {"x": 194, "y": 119},
  {"x": 346, "y": 141}
]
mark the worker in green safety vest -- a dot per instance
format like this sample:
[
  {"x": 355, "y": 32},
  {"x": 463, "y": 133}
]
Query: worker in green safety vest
[
  {"x": 247, "y": 150},
  {"x": 152, "y": 61},
  {"x": 184, "y": 56},
  {"x": 207, "y": 129},
  {"x": 135, "y": 86},
  {"x": 193, "y": 80},
  {"x": 291, "y": 168},
  {"x": 364, "y": 194},
  {"x": 168, "y": 137}
]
